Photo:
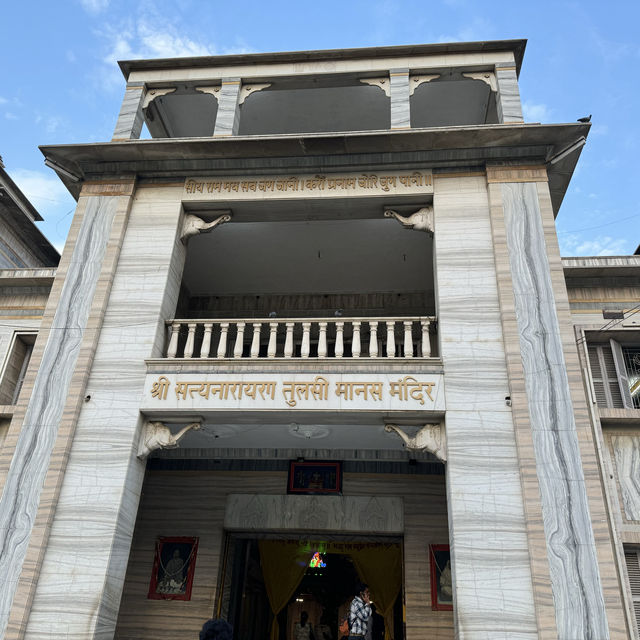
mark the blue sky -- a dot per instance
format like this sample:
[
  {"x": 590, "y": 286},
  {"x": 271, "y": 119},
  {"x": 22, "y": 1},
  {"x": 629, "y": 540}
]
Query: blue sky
[{"x": 61, "y": 83}]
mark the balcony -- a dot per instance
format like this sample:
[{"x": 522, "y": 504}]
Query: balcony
[{"x": 254, "y": 339}]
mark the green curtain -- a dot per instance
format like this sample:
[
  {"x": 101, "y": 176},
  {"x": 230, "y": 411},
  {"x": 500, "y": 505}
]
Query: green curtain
[{"x": 283, "y": 566}]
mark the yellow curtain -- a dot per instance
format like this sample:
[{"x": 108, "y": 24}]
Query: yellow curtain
[
  {"x": 283, "y": 566},
  {"x": 381, "y": 568}
]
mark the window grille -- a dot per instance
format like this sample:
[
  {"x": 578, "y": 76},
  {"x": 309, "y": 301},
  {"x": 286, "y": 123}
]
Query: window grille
[{"x": 615, "y": 372}]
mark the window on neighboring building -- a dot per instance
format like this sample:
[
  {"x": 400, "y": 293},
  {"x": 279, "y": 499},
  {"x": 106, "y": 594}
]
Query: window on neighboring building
[
  {"x": 632, "y": 558},
  {"x": 615, "y": 371},
  {"x": 16, "y": 367}
]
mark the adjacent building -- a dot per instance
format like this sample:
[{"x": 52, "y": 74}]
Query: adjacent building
[{"x": 317, "y": 329}]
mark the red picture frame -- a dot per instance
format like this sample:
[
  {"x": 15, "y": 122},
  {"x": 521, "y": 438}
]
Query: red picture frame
[
  {"x": 174, "y": 564},
  {"x": 441, "y": 583},
  {"x": 317, "y": 478}
]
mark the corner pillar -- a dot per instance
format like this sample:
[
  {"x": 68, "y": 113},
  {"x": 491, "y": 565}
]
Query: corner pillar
[
  {"x": 130, "y": 119},
  {"x": 508, "y": 97}
]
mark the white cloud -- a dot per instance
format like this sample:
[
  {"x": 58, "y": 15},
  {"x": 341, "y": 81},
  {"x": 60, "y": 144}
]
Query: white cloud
[
  {"x": 42, "y": 189},
  {"x": 3, "y": 100},
  {"x": 533, "y": 112},
  {"x": 480, "y": 29},
  {"x": 574, "y": 245},
  {"x": 10, "y": 116},
  {"x": 94, "y": 6}
]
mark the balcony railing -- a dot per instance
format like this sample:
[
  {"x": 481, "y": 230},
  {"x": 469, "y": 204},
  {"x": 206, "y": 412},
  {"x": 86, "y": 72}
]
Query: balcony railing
[{"x": 256, "y": 338}]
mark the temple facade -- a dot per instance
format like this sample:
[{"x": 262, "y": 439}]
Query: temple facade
[{"x": 313, "y": 328}]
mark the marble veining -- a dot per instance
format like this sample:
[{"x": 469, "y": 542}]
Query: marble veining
[
  {"x": 626, "y": 452},
  {"x": 493, "y": 596},
  {"x": 130, "y": 120},
  {"x": 400, "y": 113},
  {"x": 575, "y": 577},
  {"x": 508, "y": 98},
  {"x": 21, "y": 495},
  {"x": 227, "y": 118},
  {"x": 346, "y": 514}
]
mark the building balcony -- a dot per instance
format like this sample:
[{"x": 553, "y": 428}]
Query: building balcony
[{"x": 320, "y": 338}]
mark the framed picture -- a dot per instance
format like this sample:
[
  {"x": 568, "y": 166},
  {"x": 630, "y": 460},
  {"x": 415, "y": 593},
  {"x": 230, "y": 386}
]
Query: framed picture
[
  {"x": 173, "y": 567},
  {"x": 315, "y": 478},
  {"x": 441, "y": 583}
]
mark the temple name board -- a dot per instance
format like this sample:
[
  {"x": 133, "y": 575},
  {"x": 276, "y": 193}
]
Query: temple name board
[
  {"x": 329, "y": 185},
  {"x": 325, "y": 392}
]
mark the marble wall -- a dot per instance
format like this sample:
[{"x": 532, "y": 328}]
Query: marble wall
[
  {"x": 626, "y": 453},
  {"x": 228, "y": 116},
  {"x": 400, "y": 99},
  {"x": 30, "y": 462},
  {"x": 93, "y": 524},
  {"x": 575, "y": 577},
  {"x": 508, "y": 98},
  {"x": 130, "y": 119},
  {"x": 490, "y": 555}
]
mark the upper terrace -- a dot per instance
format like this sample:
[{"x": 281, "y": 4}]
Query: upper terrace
[{"x": 370, "y": 89}]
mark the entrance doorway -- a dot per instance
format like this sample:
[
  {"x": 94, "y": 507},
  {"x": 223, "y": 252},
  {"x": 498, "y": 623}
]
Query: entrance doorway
[{"x": 268, "y": 583}]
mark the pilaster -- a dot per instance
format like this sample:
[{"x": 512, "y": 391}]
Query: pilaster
[
  {"x": 130, "y": 119},
  {"x": 508, "y": 96},
  {"x": 228, "y": 118},
  {"x": 400, "y": 99}
]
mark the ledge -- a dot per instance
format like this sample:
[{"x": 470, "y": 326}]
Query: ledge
[{"x": 628, "y": 417}]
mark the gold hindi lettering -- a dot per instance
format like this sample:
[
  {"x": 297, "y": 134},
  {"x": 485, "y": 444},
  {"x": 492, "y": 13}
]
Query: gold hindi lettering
[
  {"x": 160, "y": 388},
  {"x": 348, "y": 390},
  {"x": 225, "y": 390},
  {"x": 294, "y": 391},
  {"x": 409, "y": 388}
]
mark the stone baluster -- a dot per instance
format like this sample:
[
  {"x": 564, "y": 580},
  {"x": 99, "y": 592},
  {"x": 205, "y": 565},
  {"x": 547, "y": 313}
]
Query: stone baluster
[
  {"x": 206, "y": 340},
  {"x": 222, "y": 344},
  {"x": 339, "y": 348},
  {"x": 356, "y": 348},
  {"x": 255, "y": 341},
  {"x": 239, "y": 345},
  {"x": 288, "y": 341},
  {"x": 172, "y": 349},
  {"x": 391, "y": 339},
  {"x": 408, "y": 339},
  {"x": 322, "y": 340},
  {"x": 306, "y": 340},
  {"x": 273, "y": 336},
  {"x": 426, "y": 342},
  {"x": 188, "y": 347},
  {"x": 373, "y": 339}
]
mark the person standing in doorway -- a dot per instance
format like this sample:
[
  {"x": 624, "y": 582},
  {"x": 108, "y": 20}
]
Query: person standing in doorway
[
  {"x": 359, "y": 612},
  {"x": 302, "y": 630}
]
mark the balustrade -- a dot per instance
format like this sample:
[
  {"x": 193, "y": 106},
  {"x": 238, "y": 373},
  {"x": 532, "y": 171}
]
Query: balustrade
[{"x": 300, "y": 338}]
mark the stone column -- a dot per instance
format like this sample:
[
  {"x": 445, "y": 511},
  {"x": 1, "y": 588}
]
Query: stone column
[
  {"x": 508, "y": 96},
  {"x": 77, "y": 556},
  {"x": 400, "y": 95},
  {"x": 493, "y": 593},
  {"x": 130, "y": 119},
  {"x": 228, "y": 118},
  {"x": 572, "y": 553}
]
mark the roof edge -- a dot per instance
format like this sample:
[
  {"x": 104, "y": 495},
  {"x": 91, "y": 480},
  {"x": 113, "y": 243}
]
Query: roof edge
[{"x": 516, "y": 45}]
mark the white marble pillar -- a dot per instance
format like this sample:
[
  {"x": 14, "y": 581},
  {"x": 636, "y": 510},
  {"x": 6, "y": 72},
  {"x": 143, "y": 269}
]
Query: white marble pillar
[
  {"x": 83, "y": 570},
  {"x": 575, "y": 577},
  {"x": 400, "y": 98},
  {"x": 24, "y": 483},
  {"x": 493, "y": 593},
  {"x": 130, "y": 119},
  {"x": 228, "y": 117},
  {"x": 508, "y": 96}
]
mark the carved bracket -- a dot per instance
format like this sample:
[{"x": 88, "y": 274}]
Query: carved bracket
[
  {"x": 488, "y": 77},
  {"x": 152, "y": 94},
  {"x": 212, "y": 91},
  {"x": 430, "y": 438},
  {"x": 247, "y": 89},
  {"x": 416, "y": 81},
  {"x": 156, "y": 435},
  {"x": 381, "y": 83},
  {"x": 421, "y": 220},
  {"x": 192, "y": 225}
]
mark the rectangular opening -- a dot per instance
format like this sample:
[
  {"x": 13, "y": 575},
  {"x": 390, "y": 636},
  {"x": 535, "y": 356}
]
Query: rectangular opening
[{"x": 16, "y": 367}]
